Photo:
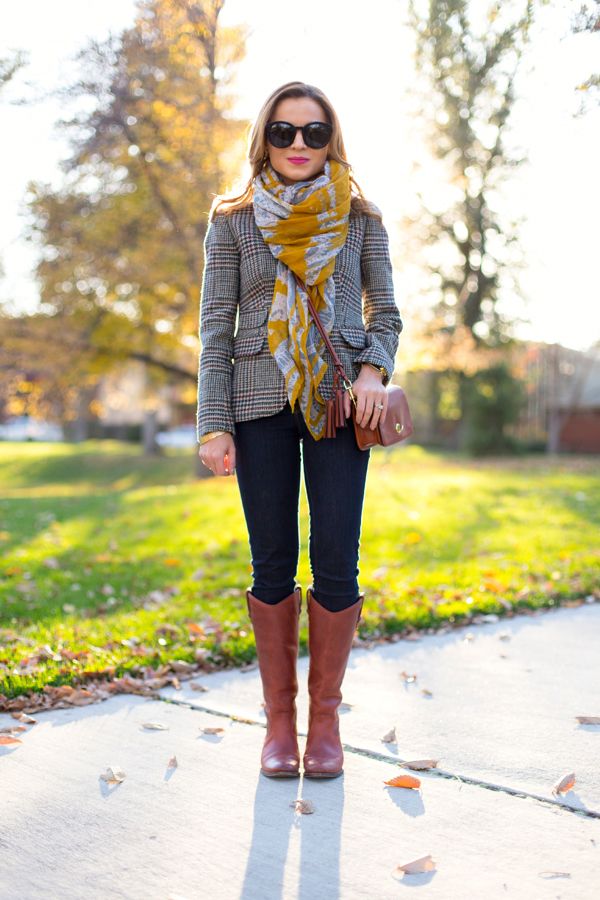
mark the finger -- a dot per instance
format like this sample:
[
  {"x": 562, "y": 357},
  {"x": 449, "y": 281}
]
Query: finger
[
  {"x": 360, "y": 409},
  {"x": 384, "y": 400},
  {"x": 231, "y": 455},
  {"x": 368, "y": 413},
  {"x": 347, "y": 404},
  {"x": 377, "y": 417}
]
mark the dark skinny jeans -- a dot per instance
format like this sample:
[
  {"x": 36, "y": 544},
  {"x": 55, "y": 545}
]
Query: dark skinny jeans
[{"x": 268, "y": 460}]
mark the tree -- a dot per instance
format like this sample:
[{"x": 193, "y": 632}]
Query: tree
[
  {"x": 121, "y": 241},
  {"x": 587, "y": 20},
  {"x": 467, "y": 59},
  {"x": 10, "y": 65}
]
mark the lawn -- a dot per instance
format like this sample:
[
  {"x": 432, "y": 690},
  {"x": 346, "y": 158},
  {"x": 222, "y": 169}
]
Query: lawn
[{"x": 113, "y": 563}]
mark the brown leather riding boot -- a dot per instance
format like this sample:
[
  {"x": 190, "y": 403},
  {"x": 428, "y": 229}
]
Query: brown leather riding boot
[
  {"x": 275, "y": 628},
  {"x": 330, "y": 637}
]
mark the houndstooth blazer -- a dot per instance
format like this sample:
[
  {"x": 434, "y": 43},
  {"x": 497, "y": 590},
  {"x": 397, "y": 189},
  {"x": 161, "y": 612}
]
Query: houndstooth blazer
[{"x": 238, "y": 378}]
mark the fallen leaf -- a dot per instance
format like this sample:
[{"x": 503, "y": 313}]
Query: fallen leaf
[
  {"x": 166, "y": 628},
  {"x": 423, "y": 864},
  {"x": 305, "y": 807},
  {"x": 113, "y": 775},
  {"x": 155, "y": 726},
  {"x": 181, "y": 666},
  {"x": 588, "y": 720},
  {"x": 565, "y": 784},
  {"x": 196, "y": 686},
  {"x": 390, "y": 737},
  {"x": 13, "y": 729},
  {"x": 550, "y": 874},
  {"x": 172, "y": 764},
  {"x": 195, "y": 628},
  {"x": 419, "y": 764},
  {"x": 5, "y": 739},
  {"x": 426, "y": 692},
  {"x": 211, "y": 729},
  {"x": 404, "y": 781},
  {"x": 407, "y": 677}
]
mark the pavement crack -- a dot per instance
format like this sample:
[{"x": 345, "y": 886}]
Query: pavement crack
[{"x": 382, "y": 757}]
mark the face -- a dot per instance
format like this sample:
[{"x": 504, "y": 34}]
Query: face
[{"x": 297, "y": 111}]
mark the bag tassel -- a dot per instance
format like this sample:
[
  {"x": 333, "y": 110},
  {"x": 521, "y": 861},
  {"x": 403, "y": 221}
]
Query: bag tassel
[{"x": 335, "y": 409}]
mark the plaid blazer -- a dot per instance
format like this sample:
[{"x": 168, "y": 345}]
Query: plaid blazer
[{"x": 238, "y": 378}]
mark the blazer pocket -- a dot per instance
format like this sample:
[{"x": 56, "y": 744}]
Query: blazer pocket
[{"x": 251, "y": 334}]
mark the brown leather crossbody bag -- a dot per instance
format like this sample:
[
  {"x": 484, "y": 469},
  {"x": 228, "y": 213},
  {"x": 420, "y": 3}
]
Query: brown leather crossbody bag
[{"x": 398, "y": 422}]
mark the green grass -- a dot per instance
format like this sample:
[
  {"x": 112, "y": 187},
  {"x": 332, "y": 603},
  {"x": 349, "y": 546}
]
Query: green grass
[{"x": 111, "y": 561}]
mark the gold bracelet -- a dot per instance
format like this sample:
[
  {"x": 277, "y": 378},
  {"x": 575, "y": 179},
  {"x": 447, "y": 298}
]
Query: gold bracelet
[{"x": 210, "y": 435}]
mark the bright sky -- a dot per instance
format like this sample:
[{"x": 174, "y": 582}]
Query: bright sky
[{"x": 364, "y": 67}]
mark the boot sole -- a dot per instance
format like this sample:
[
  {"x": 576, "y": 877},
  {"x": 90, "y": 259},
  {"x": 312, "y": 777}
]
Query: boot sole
[
  {"x": 323, "y": 774},
  {"x": 281, "y": 774}
]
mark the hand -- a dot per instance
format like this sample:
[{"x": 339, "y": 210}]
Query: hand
[
  {"x": 368, "y": 390},
  {"x": 218, "y": 455}
]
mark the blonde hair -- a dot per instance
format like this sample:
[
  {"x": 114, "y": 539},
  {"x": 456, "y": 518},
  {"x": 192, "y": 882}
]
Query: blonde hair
[{"x": 258, "y": 154}]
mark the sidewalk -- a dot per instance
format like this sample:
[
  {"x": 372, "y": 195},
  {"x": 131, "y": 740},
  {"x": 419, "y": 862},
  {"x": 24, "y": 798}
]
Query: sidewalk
[{"x": 500, "y": 719}]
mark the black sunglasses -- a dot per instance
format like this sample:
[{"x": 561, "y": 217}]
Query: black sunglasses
[{"x": 283, "y": 134}]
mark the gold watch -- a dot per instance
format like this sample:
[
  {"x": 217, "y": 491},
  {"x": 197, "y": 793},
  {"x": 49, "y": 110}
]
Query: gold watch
[{"x": 381, "y": 369}]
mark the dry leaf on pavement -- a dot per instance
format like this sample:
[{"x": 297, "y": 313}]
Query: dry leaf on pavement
[
  {"x": 113, "y": 775},
  {"x": 196, "y": 686},
  {"x": 588, "y": 720},
  {"x": 423, "y": 864},
  {"x": 565, "y": 784},
  {"x": 305, "y": 807},
  {"x": 155, "y": 726},
  {"x": 390, "y": 737},
  {"x": 211, "y": 729},
  {"x": 405, "y": 781},
  {"x": 6, "y": 739},
  {"x": 172, "y": 764},
  {"x": 419, "y": 764}
]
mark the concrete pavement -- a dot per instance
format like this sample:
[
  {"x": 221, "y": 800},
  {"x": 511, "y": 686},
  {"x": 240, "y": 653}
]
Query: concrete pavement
[{"x": 495, "y": 704}]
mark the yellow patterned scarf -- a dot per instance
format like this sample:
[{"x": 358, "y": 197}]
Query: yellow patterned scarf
[{"x": 305, "y": 226}]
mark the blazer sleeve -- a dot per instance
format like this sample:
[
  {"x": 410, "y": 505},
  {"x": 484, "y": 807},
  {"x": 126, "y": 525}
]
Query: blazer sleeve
[
  {"x": 381, "y": 315},
  {"x": 218, "y": 310}
]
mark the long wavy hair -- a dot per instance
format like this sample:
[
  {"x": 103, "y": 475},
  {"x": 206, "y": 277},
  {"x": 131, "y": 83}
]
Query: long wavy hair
[{"x": 258, "y": 154}]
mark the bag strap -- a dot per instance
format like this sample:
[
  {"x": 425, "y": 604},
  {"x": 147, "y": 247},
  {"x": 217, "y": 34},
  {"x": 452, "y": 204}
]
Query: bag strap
[
  {"x": 336, "y": 360},
  {"x": 335, "y": 405}
]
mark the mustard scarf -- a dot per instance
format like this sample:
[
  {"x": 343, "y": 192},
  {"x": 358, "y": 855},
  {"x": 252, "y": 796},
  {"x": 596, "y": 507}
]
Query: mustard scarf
[{"x": 305, "y": 226}]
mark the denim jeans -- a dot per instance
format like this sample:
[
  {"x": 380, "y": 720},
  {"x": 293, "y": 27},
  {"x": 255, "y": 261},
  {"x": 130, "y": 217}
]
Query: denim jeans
[{"x": 268, "y": 460}]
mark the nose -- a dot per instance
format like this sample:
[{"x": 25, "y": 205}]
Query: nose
[{"x": 298, "y": 142}]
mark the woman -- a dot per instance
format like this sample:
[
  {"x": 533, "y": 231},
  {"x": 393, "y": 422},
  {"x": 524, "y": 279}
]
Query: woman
[{"x": 262, "y": 393}]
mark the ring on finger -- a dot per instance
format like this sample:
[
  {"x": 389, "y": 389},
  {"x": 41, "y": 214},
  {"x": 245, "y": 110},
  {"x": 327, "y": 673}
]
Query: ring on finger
[{"x": 379, "y": 406}]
